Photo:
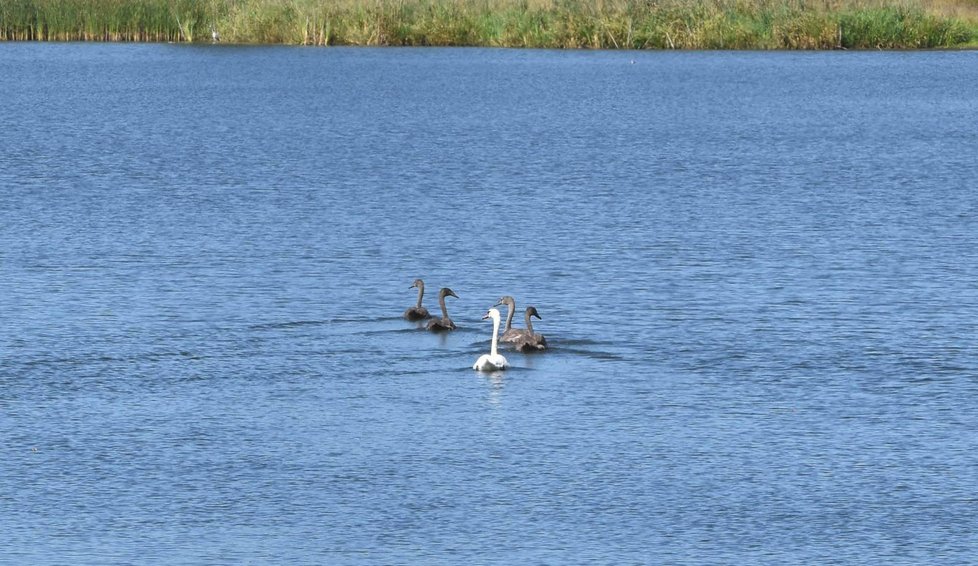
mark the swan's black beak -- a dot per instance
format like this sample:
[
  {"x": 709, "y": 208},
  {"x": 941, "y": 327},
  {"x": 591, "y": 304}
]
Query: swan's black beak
[
  {"x": 536, "y": 314},
  {"x": 486, "y": 316},
  {"x": 452, "y": 293}
]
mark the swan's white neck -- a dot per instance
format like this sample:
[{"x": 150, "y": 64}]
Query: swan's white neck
[{"x": 495, "y": 331}]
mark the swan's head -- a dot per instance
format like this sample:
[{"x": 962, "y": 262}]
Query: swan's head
[
  {"x": 417, "y": 283},
  {"x": 532, "y": 311},
  {"x": 491, "y": 313},
  {"x": 505, "y": 300},
  {"x": 446, "y": 292}
]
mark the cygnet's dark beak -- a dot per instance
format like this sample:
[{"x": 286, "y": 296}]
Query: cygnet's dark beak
[
  {"x": 536, "y": 314},
  {"x": 452, "y": 293}
]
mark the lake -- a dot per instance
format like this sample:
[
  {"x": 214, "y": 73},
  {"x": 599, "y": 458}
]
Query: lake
[{"x": 757, "y": 274}]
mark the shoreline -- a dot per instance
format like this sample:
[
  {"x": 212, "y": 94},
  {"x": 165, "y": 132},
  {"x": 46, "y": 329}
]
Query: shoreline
[{"x": 545, "y": 24}]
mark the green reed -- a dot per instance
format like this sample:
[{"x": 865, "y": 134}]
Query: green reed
[{"x": 598, "y": 24}]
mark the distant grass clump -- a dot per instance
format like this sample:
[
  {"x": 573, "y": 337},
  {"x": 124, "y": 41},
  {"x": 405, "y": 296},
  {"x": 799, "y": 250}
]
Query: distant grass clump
[{"x": 599, "y": 24}]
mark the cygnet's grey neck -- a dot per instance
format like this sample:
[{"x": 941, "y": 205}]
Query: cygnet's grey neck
[
  {"x": 510, "y": 303},
  {"x": 441, "y": 301},
  {"x": 420, "y": 293}
]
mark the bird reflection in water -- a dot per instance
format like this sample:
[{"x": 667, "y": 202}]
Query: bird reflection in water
[{"x": 497, "y": 382}]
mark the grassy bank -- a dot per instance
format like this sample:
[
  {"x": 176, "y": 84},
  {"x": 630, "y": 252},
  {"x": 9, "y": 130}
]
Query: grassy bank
[{"x": 603, "y": 24}]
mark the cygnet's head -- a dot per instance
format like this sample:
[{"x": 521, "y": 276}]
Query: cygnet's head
[
  {"x": 417, "y": 283},
  {"x": 505, "y": 300},
  {"x": 446, "y": 292},
  {"x": 532, "y": 311},
  {"x": 491, "y": 313}
]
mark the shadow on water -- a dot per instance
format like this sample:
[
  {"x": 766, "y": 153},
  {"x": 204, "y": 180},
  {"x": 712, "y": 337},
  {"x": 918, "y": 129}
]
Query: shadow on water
[
  {"x": 289, "y": 324},
  {"x": 346, "y": 346},
  {"x": 332, "y": 321}
]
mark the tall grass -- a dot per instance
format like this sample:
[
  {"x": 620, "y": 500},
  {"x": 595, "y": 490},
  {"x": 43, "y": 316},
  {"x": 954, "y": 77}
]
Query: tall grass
[
  {"x": 599, "y": 24},
  {"x": 103, "y": 20}
]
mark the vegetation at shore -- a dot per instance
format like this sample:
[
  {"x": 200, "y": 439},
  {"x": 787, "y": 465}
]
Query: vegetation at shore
[{"x": 597, "y": 24}]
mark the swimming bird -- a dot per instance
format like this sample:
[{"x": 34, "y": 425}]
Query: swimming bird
[
  {"x": 530, "y": 341},
  {"x": 493, "y": 361},
  {"x": 510, "y": 334},
  {"x": 417, "y": 312},
  {"x": 443, "y": 323}
]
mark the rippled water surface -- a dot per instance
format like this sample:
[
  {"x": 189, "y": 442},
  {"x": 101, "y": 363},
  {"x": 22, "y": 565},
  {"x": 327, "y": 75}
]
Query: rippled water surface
[{"x": 758, "y": 274}]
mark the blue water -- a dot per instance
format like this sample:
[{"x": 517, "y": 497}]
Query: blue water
[{"x": 757, "y": 272}]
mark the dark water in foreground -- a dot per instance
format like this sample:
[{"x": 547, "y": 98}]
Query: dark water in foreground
[{"x": 758, "y": 273}]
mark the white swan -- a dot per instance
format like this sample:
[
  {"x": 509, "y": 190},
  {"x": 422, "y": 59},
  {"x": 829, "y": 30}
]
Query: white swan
[{"x": 492, "y": 361}]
